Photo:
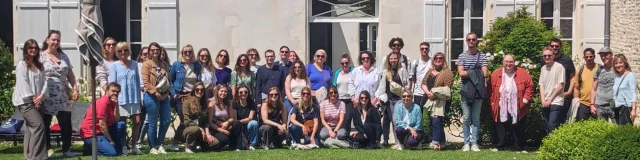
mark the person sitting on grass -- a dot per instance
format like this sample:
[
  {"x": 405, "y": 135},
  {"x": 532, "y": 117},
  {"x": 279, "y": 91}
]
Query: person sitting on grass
[
  {"x": 408, "y": 122},
  {"x": 196, "y": 131},
  {"x": 110, "y": 132},
  {"x": 304, "y": 120}
]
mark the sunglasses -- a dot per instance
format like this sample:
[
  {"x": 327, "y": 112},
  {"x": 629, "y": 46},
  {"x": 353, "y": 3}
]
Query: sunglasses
[
  {"x": 297, "y": 67},
  {"x": 110, "y": 44},
  {"x": 333, "y": 92},
  {"x": 154, "y": 50},
  {"x": 424, "y": 49},
  {"x": 274, "y": 94},
  {"x": 123, "y": 51},
  {"x": 554, "y": 46},
  {"x": 589, "y": 57},
  {"x": 305, "y": 93},
  {"x": 363, "y": 98},
  {"x": 406, "y": 96},
  {"x": 366, "y": 58},
  {"x": 320, "y": 56},
  {"x": 243, "y": 92},
  {"x": 269, "y": 56},
  {"x": 204, "y": 56},
  {"x": 344, "y": 63},
  {"x": 243, "y": 60},
  {"x": 438, "y": 58},
  {"x": 199, "y": 89},
  {"x": 284, "y": 51},
  {"x": 547, "y": 56},
  {"x": 395, "y": 45},
  {"x": 222, "y": 56},
  {"x": 33, "y": 48},
  {"x": 472, "y": 40},
  {"x": 252, "y": 55},
  {"x": 187, "y": 52}
]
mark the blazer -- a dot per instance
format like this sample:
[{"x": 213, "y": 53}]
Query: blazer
[
  {"x": 149, "y": 75},
  {"x": 525, "y": 91}
]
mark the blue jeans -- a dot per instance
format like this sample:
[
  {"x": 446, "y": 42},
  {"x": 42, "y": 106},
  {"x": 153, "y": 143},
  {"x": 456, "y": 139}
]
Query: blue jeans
[
  {"x": 553, "y": 116},
  {"x": 471, "y": 120},
  {"x": 437, "y": 130},
  {"x": 251, "y": 132},
  {"x": 296, "y": 135},
  {"x": 117, "y": 131},
  {"x": 288, "y": 105},
  {"x": 157, "y": 109}
]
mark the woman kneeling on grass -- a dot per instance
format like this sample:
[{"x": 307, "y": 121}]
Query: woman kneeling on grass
[
  {"x": 274, "y": 120},
  {"x": 408, "y": 122},
  {"x": 222, "y": 120},
  {"x": 304, "y": 119},
  {"x": 367, "y": 123},
  {"x": 196, "y": 131}
]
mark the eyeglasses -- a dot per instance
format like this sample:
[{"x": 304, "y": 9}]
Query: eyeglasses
[
  {"x": 344, "y": 63},
  {"x": 319, "y": 56},
  {"x": 243, "y": 60},
  {"x": 123, "y": 51},
  {"x": 243, "y": 92},
  {"x": 269, "y": 56},
  {"x": 406, "y": 96},
  {"x": 274, "y": 94},
  {"x": 221, "y": 56},
  {"x": 424, "y": 49},
  {"x": 472, "y": 39},
  {"x": 305, "y": 93},
  {"x": 554, "y": 46},
  {"x": 547, "y": 56},
  {"x": 363, "y": 98},
  {"x": 366, "y": 58},
  {"x": 33, "y": 48},
  {"x": 284, "y": 51},
  {"x": 109, "y": 44},
  {"x": 396, "y": 45}
]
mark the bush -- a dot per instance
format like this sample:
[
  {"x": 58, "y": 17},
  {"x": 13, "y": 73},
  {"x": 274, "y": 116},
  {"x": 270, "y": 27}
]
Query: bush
[
  {"x": 8, "y": 80},
  {"x": 593, "y": 139}
]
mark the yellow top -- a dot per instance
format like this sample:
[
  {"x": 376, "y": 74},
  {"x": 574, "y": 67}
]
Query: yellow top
[{"x": 587, "y": 83}]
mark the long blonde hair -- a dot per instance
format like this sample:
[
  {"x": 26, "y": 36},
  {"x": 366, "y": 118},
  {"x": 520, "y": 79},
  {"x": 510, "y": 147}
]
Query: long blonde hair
[
  {"x": 387, "y": 66},
  {"x": 209, "y": 64},
  {"x": 217, "y": 101},
  {"x": 304, "y": 104}
]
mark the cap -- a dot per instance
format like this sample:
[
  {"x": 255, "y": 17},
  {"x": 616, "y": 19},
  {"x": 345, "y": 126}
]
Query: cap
[{"x": 605, "y": 50}]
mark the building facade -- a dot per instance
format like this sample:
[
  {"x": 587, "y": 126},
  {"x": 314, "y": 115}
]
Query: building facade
[{"x": 338, "y": 26}]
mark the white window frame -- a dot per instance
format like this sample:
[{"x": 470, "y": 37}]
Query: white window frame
[
  {"x": 129, "y": 20},
  {"x": 371, "y": 46},
  {"x": 466, "y": 27},
  {"x": 556, "y": 19}
]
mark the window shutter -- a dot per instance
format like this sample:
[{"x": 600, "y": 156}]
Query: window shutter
[
  {"x": 530, "y": 4},
  {"x": 434, "y": 27},
  {"x": 162, "y": 25},
  {"x": 592, "y": 28},
  {"x": 65, "y": 16},
  {"x": 32, "y": 23},
  {"x": 502, "y": 7}
]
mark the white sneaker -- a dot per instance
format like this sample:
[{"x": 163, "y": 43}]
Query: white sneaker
[
  {"x": 237, "y": 150},
  {"x": 266, "y": 148},
  {"x": 252, "y": 148},
  {"x": 198, "y": 147},
  {"x": 187, "y": 150},
  {"x": 400, "y": 148},
  {"x": 125, "y": 151},
  {"x": 69, "y": 154},
  {"x": 524, "y": 152},
  {"x": 494, "y": 150},
  {"x": 154, "y": 151},
  {"x": 293, "y": 146},
  {"x": 136, "y": 151},
  {"x": 175, "y": 147},
  {"x": 161, "y": 150},
  {"x": 466, "y": 148},
  {"x": 475, "y": 148},
  {"x": 50, "y": 152},
  {"x": 138, "y": 145}
]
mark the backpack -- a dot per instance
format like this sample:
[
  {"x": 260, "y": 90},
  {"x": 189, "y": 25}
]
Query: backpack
[{"x": 582, "y": 68}]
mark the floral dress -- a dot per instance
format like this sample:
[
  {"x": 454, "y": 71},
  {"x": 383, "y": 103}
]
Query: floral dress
[{"x": 56, "y": 75}]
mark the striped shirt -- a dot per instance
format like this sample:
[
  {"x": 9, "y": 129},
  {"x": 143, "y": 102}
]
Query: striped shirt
[
  {"x": 332, "y": 111},
  {"x": 469, "y": 60}
]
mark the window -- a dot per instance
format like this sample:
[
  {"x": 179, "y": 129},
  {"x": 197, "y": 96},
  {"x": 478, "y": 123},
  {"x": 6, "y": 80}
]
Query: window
[
  {"x": 466, "y": 16},
  {"x": 558, "y": 14},
  {"x": 368, "y": 37},
  {"x": 365, "y": 11},
  {"x": 134, "y": 25}
]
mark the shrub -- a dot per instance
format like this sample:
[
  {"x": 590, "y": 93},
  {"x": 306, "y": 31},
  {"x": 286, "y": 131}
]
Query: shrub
[
  {"x": 8, "y": 81},
  {"x": 592, "y": 139}
]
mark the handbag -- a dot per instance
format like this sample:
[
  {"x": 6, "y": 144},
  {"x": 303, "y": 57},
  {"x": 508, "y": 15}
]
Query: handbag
[
  {"x": 11, "y": 126},
  {"x": 163, "y": 83}
]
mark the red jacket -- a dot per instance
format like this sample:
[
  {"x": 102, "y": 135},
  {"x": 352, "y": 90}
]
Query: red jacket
[{"x": 525, "y": 91}]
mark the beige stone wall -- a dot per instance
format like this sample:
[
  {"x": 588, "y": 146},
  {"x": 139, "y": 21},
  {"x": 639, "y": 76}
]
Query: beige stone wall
[
  {"x": 625, "y": 31},
  {"x": 401, "y": 18}
]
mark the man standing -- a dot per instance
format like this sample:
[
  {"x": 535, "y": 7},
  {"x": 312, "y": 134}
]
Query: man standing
[
  {"x": 552, "y": 80},
  {"x": 584, "y": 80},
  {"x": 419, "y": 70},
  {"x": 473, "y": 68},
  {"x": 109, "y": 131},
  {"x": 602, "y": 91},
  {"x": 269, "y": 75},
  {"x": 570, "y": 70},
  {"x": 396, "y": 45},
  {"x": 284, "y": 57}
]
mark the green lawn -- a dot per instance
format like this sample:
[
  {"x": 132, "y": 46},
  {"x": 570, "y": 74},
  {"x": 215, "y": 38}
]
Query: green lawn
[{"x": 8, "y": 151}]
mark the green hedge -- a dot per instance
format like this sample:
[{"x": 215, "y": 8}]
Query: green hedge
[
  {"x": 7, "y": 81},
  {"x": 593, "y": 139}
]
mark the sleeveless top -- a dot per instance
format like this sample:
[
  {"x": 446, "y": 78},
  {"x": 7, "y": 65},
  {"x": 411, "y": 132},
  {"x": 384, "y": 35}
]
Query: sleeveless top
[
  {"x": 296, "y": 87},
  {"x": 220, "y": 115},
  {"x": 274, "y": 115}
]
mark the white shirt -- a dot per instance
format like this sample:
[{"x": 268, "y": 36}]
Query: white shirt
[
  {"x": 419, "y": 70},
  {"x": 361, "y": 81},
  {"x": 342, "y": 83}
]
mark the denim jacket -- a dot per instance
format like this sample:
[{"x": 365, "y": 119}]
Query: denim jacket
[
  {"x": 415, "y": 116},
  {"x": 177, "y": 73}
]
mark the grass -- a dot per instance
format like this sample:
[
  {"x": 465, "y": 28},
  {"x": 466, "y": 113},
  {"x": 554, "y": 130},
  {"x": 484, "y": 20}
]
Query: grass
[{"x": 8, "y": 151}]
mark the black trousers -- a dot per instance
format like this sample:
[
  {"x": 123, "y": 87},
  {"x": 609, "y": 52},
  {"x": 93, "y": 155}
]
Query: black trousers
[
  {"x": 351, "y": 112},
  {"x": 623, "y": 115},
  {"x": 516, "y": 130},
  {"x": 584, "y": 113},
  {"x": 64, "y": 120},
  {"x": 234, "y": 139}
]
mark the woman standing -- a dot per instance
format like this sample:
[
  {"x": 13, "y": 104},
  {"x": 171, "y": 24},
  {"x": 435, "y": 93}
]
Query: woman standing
[
  {"x": 223, "y": 73},
  {"x": 143, "y": 56},
  {"x": 274, "y": 120},
  {"x": 367, "y": 123},
  {"x": 341, "y": 80},
  {"x": 155, "y": 78},
  {"x": 195, "y": 118},
  {"x": 362, "y": 78},
  {"x": 295, "y": 81},
  {"x": 246, "y": 113},
  {"x": 207, "y": 76},
  {"x": 293, "y": 57},
  {"x": 183, "y": 74},
  {"x": 125, "y": 73},
  {"x": 408, "y": 122},
  {"x": 57, "y": 69},
  {"x": 332, "y": 113},
  {"x": 304, "y": 119},
  {"x": 437, "y": 83},
  {"x": 254, "y": 58},
  {"x": 109, "y": 55},
  {"x": 625, "y": 91},
  {"x": 389, "y": 90},
  {"x": 30, "y": 91},
  {"x": 319, "y": 75},
  {"x": 222, "y": 120},
  {"x": 242, "y": 75}
]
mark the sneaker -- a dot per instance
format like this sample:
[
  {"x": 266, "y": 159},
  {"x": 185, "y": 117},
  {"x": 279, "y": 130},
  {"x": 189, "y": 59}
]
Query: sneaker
[
  {"x": 266, "y": 148},
  {"x": 174, "y": 147},
  {"x": 125, "y": 151},
  {"x": 237, "y": 150},
  {"x": 136, "y": 151},
  {"x": 187, "y": 150},
  {"x": 50, "y": 152},
  {"x": 379, "y": 146},
  {"x": 69, "y": 154},
  {"x": 466, "y": 148},
  {"x": 398, "y": 147},
  {"x": 293, "y": 146},
  {"x": 154, "y": 151},
  {"x": 475, "y": 148},
  {"x": 494, "y": 150},
  {"x": 161, "y": 150},
  {"x": 252, "y": 148},
  {"x": 138, "y": 145},
  {"x": 523, "y": 151}
]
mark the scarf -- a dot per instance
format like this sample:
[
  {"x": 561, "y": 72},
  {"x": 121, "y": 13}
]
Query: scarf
[{"x": 508, "y": 98}]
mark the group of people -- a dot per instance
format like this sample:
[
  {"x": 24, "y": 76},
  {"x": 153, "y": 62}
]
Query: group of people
[{"x": 253, "y": 106}]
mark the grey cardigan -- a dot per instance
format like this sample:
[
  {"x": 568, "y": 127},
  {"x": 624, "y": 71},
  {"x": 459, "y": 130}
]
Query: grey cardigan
[{"x": 28, "y": 85}]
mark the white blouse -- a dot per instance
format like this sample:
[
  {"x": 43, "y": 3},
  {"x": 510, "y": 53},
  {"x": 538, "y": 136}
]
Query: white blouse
[{"x": 28, "y": 85}]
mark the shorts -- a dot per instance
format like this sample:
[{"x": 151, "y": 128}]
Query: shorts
[{"x": 129, "y": 110}]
